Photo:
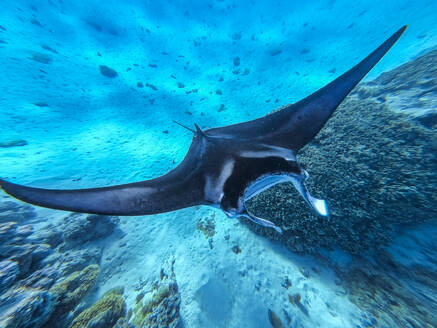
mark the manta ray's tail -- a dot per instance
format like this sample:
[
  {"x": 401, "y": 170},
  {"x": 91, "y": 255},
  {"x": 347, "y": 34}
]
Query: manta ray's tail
[{"x": 310, "y": 114}]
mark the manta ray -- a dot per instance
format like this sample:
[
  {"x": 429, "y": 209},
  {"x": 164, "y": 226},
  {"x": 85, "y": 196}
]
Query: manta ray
[{"x": 224, "y": 167}]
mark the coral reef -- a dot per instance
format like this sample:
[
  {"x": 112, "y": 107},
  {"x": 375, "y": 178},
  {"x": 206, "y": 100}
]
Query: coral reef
[
  {"x": 45, "y": 275},
  {"x": 396, "y": 287},
  {"x": 384, "y": 291},
  {"x": 24, "y": 282},
  {"x": 207, "y": 226},
  {"x": 79, "y": 228},
  {"x": 8, "y": 273},
  {"x": 104, "y": 313},
  {"x": 77, "y": 259},
  {"x": 411, "y": 88},
  {"x": 159, "y": 307},
  {"x": 375, "y": 167},
  {"x": 25, "y": 307},
  {"x": 19, "y": 254},
  {"x": 19, "y": 212},
  {"x": 70, "y": 291},
  {"x": 47, "y": 294}
]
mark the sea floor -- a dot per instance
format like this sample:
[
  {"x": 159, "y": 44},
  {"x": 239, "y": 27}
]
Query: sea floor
[{"x": 68, "y": 124}]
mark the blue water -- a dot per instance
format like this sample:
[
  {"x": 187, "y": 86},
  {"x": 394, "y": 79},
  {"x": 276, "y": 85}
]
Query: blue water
[{"x": 212, "y": 63}]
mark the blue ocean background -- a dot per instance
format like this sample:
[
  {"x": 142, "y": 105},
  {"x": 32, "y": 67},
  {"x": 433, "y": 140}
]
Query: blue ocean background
[{"x": 68, "y": 123}]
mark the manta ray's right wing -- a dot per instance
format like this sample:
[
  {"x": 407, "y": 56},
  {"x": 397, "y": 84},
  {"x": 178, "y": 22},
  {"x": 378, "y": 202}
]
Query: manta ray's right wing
[
  {"x": 180, "y": 188},
  {"x": 295, "y": 125}
]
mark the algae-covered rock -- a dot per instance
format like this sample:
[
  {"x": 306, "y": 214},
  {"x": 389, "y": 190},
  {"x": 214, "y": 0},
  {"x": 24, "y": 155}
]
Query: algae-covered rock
[
  {"x": 160, "y": 306},
  {"x": 8, "y": 233},
  {"x": 16, "y": 246},
  {"x": 51, "y": 235},
  {"x": 43, "y": 278},
  {"x": 411, "y": 88},
  {"x": 79, "y": 228},
  {"x": 39, "y": 287},
  {"x": 382, "y": 287},
  {"x": 76, "y": 260},
  {"x": 25, "y": 300},
  {"x": 17, "y": 212},
  {"x": 124, "y": 323},
  {"x": 8, "y": 274},
  {"x": 25, "y": 308},
  {"x": 104, "y": 313},
  {"x": 20, "y": 256},
  {"x": 207, "y": 226},
  {"x": 73, "y": 288},
  {"x": 374, "y": 164},
  {"x": 163, "y": 307}
]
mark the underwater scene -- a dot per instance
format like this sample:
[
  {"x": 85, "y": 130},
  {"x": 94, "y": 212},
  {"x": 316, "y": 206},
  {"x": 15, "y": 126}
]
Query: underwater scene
[{"x": 218, "y": 163}]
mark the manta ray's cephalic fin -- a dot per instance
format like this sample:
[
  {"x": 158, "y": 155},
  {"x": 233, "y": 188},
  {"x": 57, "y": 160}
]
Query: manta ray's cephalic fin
[
  {"x": 184, "y": 126},
  {"x": 199, "y": 131}
]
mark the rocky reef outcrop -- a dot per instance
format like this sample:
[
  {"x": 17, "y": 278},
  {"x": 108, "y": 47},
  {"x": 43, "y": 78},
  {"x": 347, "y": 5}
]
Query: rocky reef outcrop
[
  {"x": 20, "y": 212},
  {"x": 70, "y": 290},
  {"x": 78, "y": 229},
  {"x": 104, "y": 313},
  {"x": 24, "y": 281},
  {"x": 159, "y": 305},
  {"x": 375, "y": 163},
  {"x": 397, "y": 286},
  {"x": 44, "y": 275}
]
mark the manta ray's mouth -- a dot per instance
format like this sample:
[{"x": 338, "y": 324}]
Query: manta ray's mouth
[
  {"x": 265, "y": 182},
  {"x": 319, "y": 206}
]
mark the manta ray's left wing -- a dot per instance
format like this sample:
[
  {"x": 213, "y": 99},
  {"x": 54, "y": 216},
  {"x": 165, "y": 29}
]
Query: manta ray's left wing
[
  {"x": 293, "y": 126},
  {"x": 180, "y": 188}
]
